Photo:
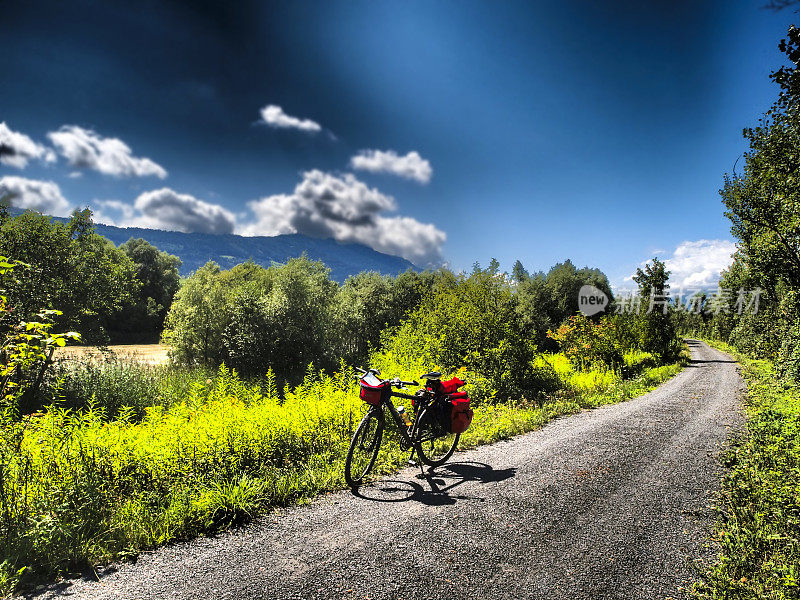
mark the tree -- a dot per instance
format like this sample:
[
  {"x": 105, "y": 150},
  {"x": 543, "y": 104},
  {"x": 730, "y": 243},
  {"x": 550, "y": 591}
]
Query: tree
[
  {"x": 158, "y": 274},
  {"x": 546, "y": 301},
  {"x": 535, "y": 310},
  {"x": 198, "y": 317},
  {"x": 252, "y": 318},
  {"x": 763, "y": 201},
  {"x": 653, "y": 279},
  {"x": 519, "y": 272},
  {"x": 71, "y": 268},
  {"x": 763, "y": 204},
  {"x": 657, "y": 329}
]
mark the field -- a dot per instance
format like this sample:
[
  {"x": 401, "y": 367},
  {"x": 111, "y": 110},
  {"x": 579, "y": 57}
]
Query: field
[{"x": 151, "y": 354}]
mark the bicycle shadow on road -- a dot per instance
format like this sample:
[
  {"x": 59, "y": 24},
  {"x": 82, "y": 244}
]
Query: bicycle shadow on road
[{"x": 441, "y": 483}]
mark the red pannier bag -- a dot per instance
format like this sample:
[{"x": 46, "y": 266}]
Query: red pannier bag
[
  {"x": 450, "y": 386},
  {"x": 460, "y": 412},
  {"x": 372, "y": 394}
]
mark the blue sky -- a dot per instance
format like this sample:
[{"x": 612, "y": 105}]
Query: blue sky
[{"x": 595, "y": 131}]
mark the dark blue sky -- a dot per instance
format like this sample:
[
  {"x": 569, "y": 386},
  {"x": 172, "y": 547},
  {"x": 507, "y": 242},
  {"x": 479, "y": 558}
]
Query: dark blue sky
[{"x": 596, "y": 131}]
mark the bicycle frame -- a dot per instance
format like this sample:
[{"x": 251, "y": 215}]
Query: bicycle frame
[{"x": 409, "y": 437}]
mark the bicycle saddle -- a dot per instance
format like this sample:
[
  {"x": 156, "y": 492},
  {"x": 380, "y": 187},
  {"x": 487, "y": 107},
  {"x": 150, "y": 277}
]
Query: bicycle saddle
[{"x": 432, "y": 375}]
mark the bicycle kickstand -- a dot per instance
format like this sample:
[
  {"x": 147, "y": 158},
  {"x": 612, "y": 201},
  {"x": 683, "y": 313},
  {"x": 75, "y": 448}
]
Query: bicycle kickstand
[
  {"x": 419, "y": 464},
  {"x": 412, "y": 462}
]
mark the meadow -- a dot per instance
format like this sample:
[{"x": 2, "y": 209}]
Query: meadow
[{"x": 154, "y": 354}]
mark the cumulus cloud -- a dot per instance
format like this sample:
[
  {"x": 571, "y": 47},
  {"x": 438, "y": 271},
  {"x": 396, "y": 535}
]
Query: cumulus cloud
[
  {"x": 697, "y": 264},
  {"x": 42, "y": 196},
  {"x": 274, "y": 116},
  {"x": 410, "y": 166},
  {"x": 346, "y": 209},
  {"x": 83, "y": 148},
  {"x": 167, "y": 209},
  {"x": 17, "y": 149}
]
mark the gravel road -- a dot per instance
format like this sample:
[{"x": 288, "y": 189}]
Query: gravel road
[{"x": 609, "y": 503}]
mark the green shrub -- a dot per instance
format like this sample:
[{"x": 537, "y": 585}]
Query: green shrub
[
  {"x": 470, "y": 324},
  {"x": 588, "y": 344}
]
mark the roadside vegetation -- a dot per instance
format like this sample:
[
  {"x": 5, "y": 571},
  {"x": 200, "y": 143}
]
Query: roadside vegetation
[
  {"x": 758, "y": 529},
  {"x": 81, "y": 488}
]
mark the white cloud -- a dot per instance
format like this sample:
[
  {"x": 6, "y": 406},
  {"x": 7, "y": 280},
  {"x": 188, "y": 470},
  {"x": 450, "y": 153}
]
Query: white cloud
[
  {"x": 410, "y": 166},
  {"x": 102, "y": 209},
  {"x": 42, "y": 196},
  {"x": 697, "y": 264},
  {"x": 16, "y": 149},
  {"x": 86, "y": 149},
  {"x": 274, "y": 116},
  {"x": 346, "y": 209},
  {"x": 167, "y": 209}
]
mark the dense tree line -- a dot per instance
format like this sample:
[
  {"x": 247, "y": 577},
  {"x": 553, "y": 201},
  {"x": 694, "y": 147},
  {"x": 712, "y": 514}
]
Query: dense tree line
[
  {"x": 289, "y": 316},
  {"x": 763, "y": 203}
]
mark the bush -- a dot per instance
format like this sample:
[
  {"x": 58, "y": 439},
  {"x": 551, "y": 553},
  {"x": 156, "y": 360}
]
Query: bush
[
  {"x": 469, "y": 324},
  {"x": 588, "y": 344}
]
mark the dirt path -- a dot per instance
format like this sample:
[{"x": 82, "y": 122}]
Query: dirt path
[{"x": 609, "y": 503}]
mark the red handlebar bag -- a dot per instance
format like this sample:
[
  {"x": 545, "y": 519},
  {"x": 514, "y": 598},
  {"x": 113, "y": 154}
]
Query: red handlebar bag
[
  {"x": 450, "y": 386},
  {"x": 372, "y": 394}
]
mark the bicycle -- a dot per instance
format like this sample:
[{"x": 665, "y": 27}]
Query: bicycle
[{"x": 424, "y": 435}]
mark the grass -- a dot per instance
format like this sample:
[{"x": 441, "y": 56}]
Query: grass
[
  {"x": 758, "y": 525},
  {"x": 80, "y": 487}
]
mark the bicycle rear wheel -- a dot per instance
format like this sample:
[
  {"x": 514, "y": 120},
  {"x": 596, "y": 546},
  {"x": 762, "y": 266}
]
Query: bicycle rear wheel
[
  {"x": 434, "y": 451},
  {"x": 364, "y": 448}
]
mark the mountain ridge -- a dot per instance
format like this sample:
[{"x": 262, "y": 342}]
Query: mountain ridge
[{"x": 229, "y": 250}]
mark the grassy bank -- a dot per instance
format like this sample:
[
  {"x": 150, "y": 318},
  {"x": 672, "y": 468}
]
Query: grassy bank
[
  {"x": 758, "y": 528},
  {"x": 85, "y": 486}
]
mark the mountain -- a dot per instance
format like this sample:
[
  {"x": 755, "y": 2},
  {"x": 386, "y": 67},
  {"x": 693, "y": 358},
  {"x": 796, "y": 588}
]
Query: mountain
[{"x": 228, "y": 250}]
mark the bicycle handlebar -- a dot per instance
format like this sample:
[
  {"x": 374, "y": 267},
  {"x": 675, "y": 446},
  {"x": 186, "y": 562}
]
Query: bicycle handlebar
[
  {"x": 397, "y": 382},
  {"x": 365, "y": 371}
]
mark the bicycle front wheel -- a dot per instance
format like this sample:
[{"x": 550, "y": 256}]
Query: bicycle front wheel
[
  {"x": 364, "y": 448},
  {"x": 434, "y": 451}
]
